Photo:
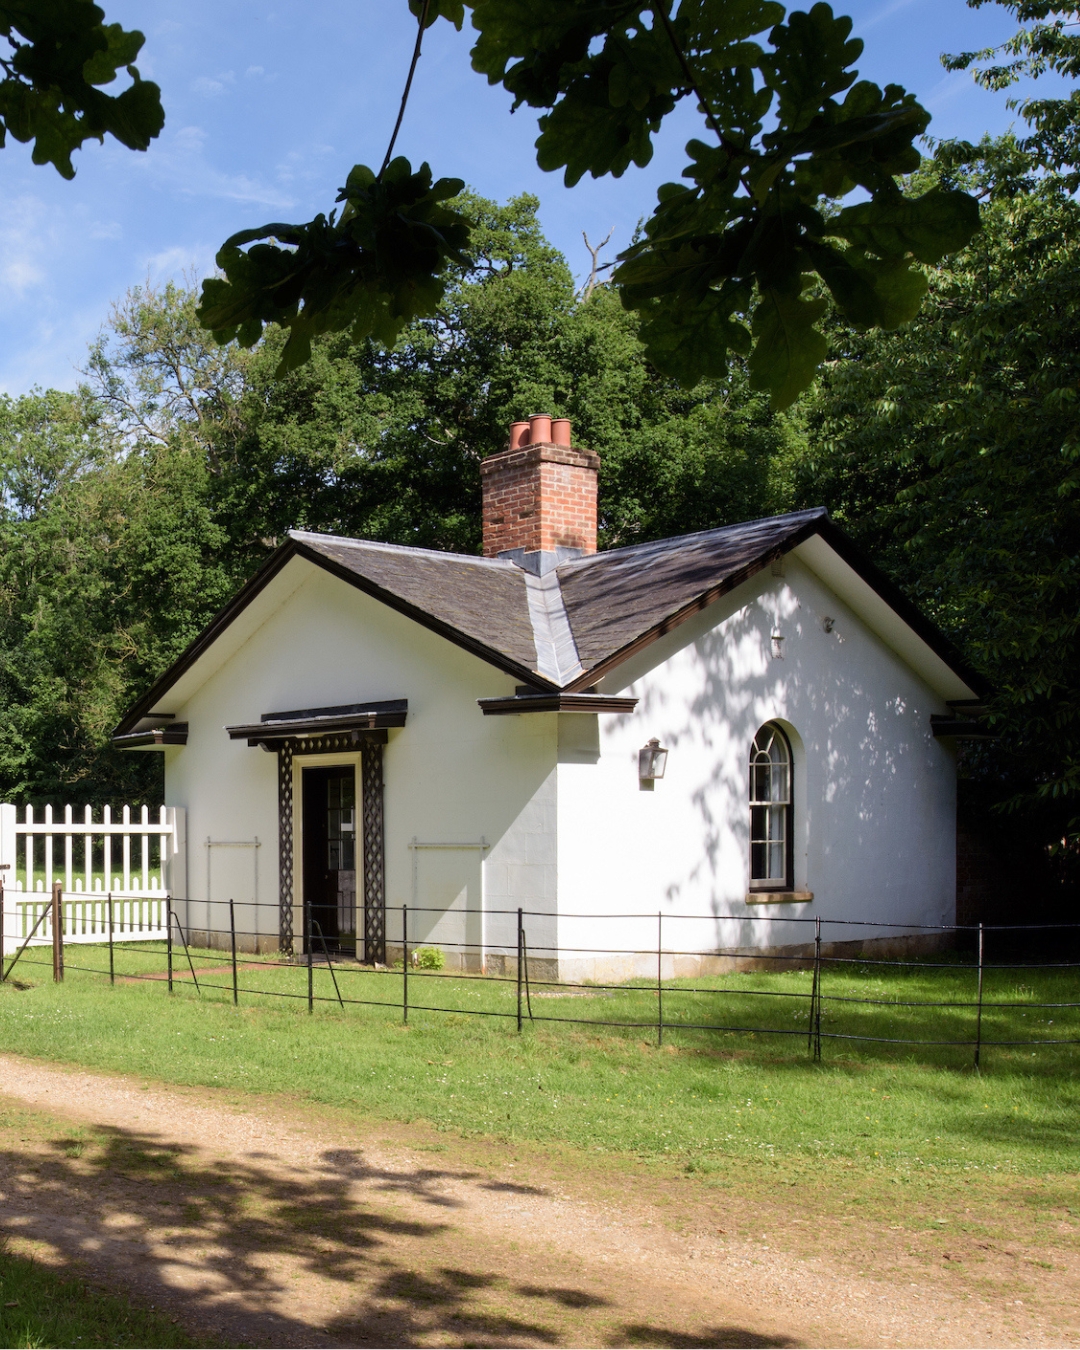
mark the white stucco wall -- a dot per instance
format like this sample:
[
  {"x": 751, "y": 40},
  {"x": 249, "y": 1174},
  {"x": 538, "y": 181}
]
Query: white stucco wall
[
  {"x": 874, "y": 791},
  {"x": 451, "y": 775},
  {"x": 556, "y": 798}
]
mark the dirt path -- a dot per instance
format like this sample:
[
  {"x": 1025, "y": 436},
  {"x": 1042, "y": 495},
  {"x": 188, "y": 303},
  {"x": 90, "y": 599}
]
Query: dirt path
[{"x": 265, "y": 1224}]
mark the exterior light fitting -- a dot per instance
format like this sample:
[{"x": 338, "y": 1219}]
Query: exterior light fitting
[{"x": 651, "y": 761}]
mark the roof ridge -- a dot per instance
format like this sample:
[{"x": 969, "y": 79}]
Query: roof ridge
[
  {"x": 810, "y": 513},
  {"x": 309, "y": 536}
]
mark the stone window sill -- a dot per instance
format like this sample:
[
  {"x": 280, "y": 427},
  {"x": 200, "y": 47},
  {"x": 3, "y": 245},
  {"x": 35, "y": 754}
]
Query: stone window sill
[{"x": 779, "y": 897}]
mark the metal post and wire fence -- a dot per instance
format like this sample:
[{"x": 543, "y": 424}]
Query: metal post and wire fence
[{"x": 746, "y": 990}]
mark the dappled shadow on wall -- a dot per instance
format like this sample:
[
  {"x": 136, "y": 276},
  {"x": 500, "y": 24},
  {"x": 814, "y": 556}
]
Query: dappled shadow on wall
[{"x": 857, "y": 748}]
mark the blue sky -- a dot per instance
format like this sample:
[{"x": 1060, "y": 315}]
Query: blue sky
[{"x": 269, "y": 104}]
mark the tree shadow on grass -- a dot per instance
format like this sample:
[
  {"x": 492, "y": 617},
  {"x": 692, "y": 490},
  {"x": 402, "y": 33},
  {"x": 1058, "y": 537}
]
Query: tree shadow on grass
[{"x": 259, "y": 1251}]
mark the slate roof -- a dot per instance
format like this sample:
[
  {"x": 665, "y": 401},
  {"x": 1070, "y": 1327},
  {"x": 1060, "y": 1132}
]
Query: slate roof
[
  {"x": 565, "y": 630},
  {"x": 611, "y": 600},
  {"x": 614, "y": 599},
  {"x": 481, "y": 598}
]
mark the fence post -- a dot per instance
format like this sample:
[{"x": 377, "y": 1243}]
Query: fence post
[
  {"x": 112, "y": 966},
  {"x": 978, "y": 1012},
  {"x": 57, "y": 934},
  {"x": 814, "y": 988},
  {"x": 659, "y": 978},
  {"x": 405, "y": 964},
  {"x": 310, "y": 968},
  {"x": 519, "y": 968},
  {"x": 817, "y": 988},
  {"x": 9, "y": 862},
  {"x": 232, "y": 938},
  {"x": 3, "y": 928},
  {"x": 168, "y": 934}
]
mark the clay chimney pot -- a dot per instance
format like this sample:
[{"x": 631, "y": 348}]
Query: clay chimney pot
[
  {"x": 560, "y": 430},
  {"x": 539, "y": 495},
  {"x": 539, "y": 429}
]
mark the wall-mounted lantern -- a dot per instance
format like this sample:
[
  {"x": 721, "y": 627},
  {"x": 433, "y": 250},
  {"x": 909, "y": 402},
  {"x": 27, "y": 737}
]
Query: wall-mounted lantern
[{"x": 651, "y": 761}]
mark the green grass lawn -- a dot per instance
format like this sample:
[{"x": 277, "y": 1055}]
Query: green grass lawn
[
  {"x": 40, "y": 1307},
  {"x": 905, "y": 1133},
  {"x": 704, "y": 1098}
]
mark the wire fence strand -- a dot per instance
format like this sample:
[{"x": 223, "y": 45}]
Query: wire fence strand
[{"x": 510, "y": 975}]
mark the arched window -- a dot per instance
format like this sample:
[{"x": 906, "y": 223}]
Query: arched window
[{"x": 770, "y": 811}]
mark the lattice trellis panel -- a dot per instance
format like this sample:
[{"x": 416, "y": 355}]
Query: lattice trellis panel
[
  {"x": 374, "y": 855},
  {"x": 373, "y": 838},
  {"x": 285, "y": 847}
]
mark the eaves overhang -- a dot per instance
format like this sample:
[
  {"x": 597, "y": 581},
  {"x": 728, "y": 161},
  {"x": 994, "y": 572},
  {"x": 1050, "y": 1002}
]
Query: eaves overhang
[
  {"x": 557, "y": 702},
  {"x": 156, "y": 738},
  {"x": 355, "y": 720}
]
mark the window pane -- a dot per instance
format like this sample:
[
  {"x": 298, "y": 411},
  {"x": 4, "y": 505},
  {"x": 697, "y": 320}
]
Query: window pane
[{"x": 770, "y": 804}]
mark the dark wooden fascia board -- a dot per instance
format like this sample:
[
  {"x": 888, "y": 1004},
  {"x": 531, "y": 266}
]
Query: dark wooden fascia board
[
  {"x": 305, "y": 727},
  {"x": 559, "y": 702},
  {"x": 934, "y": 638},
  {"x": 961, "y": 728},
  {"x": 247, "y": 593},
  {"x": 155, "y": 739}
]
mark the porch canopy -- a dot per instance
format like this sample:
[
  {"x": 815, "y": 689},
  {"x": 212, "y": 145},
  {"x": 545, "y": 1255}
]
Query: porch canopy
[{"x": 355, "y": 722}]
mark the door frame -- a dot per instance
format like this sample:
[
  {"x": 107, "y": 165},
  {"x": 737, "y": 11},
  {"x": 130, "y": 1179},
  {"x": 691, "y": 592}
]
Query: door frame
[{"x": 332, "y": 760}]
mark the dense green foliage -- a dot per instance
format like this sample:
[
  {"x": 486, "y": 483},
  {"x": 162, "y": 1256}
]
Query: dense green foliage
[
  {"x": 132, "y": 509},
  {"x": 948, "y": 449},
  {"x": 723, "y": 262},
  {"x": 1047, "y": 43},
  {"x": 951, "y": 450},
  {"x": 61, "y": 53}
]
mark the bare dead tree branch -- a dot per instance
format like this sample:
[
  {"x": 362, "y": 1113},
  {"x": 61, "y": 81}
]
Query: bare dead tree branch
[{"x": 597, "y": 266}]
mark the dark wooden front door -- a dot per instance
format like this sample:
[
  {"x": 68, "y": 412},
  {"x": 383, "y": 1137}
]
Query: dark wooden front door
[{"x": 329, "y": 816}]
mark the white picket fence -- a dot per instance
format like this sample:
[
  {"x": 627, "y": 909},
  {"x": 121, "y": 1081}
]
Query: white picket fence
[
  {"x": 86, "y": 918},
  {"x": 104, "y": 867}
]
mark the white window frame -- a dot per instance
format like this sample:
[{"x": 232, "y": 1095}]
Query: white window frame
[{"x": 779, "y": 805}]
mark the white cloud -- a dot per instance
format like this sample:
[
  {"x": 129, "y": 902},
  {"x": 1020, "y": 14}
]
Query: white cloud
[
  {"x": 210, "y": 88},
  {"x": 181, "y": 263},
  {"x": 105, "y": 229},
  {"x": 191, "y": 139},
  {"x": 957, "y": 84},
  {"x": 885, "y": 12},
  {"x": 253, "y": 71},
  {"x": 24, "y": 242},
  {"x": 180, "y": 165}
]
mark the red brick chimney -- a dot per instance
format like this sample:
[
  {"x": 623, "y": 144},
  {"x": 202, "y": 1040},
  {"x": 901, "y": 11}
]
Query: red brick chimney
[{"x": 540, "y": 493}]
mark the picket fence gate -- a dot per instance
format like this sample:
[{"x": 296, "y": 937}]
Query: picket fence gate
[{"x": 104, "y": 868}]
